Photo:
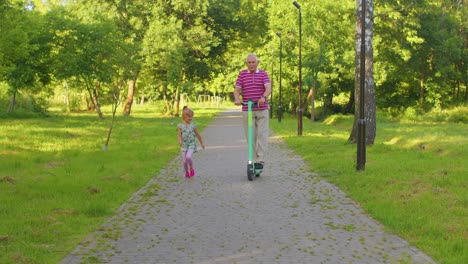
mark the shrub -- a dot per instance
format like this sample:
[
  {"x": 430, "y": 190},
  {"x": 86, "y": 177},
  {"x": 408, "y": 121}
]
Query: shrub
[{"x": 458, "y": 115}]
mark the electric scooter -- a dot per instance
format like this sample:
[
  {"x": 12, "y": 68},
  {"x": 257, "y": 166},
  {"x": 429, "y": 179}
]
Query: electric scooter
[{"x": 253, "y": 168}]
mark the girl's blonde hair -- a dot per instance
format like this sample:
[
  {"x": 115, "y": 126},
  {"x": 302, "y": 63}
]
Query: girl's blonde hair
[{"x": 186, "y": 112}]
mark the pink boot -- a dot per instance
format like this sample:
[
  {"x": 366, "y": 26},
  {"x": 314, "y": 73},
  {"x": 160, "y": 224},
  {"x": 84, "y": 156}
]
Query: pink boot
[
  {"x": 192, "y": 172},
  {"x": 187, "y": 174}
]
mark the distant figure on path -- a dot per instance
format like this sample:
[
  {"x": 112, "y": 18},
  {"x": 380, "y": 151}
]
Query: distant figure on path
[
  {"x": 188, "y": 134},
  {"x": 255, "y": 85}
]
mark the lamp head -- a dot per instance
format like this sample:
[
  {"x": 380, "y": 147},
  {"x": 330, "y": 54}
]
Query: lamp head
[{"x": 297, "y": 5}]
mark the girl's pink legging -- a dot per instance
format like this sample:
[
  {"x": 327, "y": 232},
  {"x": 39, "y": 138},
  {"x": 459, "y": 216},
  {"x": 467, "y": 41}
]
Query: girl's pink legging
[{"x": 187, "y": 158}]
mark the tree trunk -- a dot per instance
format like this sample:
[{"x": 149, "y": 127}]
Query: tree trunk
[
  {"x": 327, "y": 103},
  {"x": 350, "y": 104},
  {"x": 67, "y": 97},
  {"x": 178, "y": 91},
  {"x": 369, "y": 96},
  {"x": 96, "y": 100},
  {"x": 131, "y": 90},
  {"x": 115, "y": 104},
  {"x": 93, "y": 98},
  {"x": 466, "y": 93},
  {"x": 166, "y": 100},
  {"x": 455, "y": 91},
  {"x": 421, "y": 90},
  {"x": 12, "y": 102},
  {"x": 89, "y": 103},
  {"x": 311, "y": 97},
  {"x": 294, "y": 109},
  {"x": 176, "y": 101}
]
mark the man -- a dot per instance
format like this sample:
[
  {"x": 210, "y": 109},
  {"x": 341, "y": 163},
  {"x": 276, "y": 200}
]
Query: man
[{"x": 254, "y": 85}]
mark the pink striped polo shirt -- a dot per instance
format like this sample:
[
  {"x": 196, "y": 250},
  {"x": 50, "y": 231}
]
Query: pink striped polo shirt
[{"x": 253, "y": 87}]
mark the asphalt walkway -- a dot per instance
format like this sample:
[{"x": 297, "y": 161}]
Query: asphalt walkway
[{"x": 287, "y": 215}]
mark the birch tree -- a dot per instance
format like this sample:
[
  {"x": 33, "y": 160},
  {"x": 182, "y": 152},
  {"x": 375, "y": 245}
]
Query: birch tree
[{"x": 369, "y": 92}]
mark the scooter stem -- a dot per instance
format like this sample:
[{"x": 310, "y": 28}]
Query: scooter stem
[{"x": 249, "y": 131}]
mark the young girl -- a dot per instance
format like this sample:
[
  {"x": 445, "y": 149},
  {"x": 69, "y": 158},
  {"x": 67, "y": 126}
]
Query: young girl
[{"x": 188, "y": 144}]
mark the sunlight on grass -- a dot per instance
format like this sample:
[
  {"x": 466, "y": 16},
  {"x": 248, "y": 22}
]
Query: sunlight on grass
[
  {"x": 57, "y": 184},
  {"x": 414, "y": 182},
  {"x": 393, "y": 141}
]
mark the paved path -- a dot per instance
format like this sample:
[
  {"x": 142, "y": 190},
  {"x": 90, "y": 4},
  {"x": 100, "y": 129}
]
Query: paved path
[{"x": 287, "y": 215}]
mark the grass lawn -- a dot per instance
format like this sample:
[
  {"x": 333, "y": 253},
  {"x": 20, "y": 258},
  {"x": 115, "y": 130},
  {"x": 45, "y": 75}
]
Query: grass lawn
[
  {"x": 57, "y": 184},
  {"x": 415, "y": 180}
]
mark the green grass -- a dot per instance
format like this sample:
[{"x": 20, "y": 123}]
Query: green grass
[
  {"x": 415, "y": 179},
  {"x": 57, "y": 184}
]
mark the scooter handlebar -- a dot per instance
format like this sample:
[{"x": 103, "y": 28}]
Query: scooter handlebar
[{"x": 245, "y": 103}]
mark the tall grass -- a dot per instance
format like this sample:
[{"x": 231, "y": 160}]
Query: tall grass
[
  {"x": 57, "y": 184},
  {"x": 415, "y": 180}
]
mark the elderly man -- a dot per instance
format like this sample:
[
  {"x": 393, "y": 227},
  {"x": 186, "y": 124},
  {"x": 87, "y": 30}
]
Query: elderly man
[{"x": 254, "y": 85}]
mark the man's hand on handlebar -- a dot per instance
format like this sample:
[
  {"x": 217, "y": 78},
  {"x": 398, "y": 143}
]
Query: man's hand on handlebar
[{"x": 261, "y": 101}]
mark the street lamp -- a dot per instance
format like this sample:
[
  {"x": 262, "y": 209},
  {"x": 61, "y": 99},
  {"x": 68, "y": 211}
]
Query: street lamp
[
  {"x": 361, "y": 144},
  {"x": 271, "y": 84},
  {"x": 280, "y": 104},
  {"x": 299, "y": 115}
]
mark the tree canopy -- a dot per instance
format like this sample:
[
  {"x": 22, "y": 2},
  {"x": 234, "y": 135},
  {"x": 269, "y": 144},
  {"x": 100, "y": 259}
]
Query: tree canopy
[{"x": 162, "y": 49}]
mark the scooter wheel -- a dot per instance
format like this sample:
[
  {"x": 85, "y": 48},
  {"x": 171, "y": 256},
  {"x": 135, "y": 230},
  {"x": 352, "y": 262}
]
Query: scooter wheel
[
  {"x": 250, "y": 172},
  {"x": 258, "y": 169}
]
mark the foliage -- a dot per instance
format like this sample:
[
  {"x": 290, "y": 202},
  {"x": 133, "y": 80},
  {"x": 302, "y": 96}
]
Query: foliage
[
  {"x": 425, "y": 65},
  {"x": 453, "y": 115},
  {"x": 24, "y": 49},
  {"x": 198, "y": 47}
]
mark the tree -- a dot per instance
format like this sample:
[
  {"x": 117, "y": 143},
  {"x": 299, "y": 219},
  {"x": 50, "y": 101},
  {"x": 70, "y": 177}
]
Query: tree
[
  {"x": 131, "y": 19},
  {"x": 425, "y": 66},
  {"x": 177, "y": 45},
  {"x": 440, "y": 54},
  {"x": 369, "y": 100},
  {"x": 88, "y": 53},
  {"x": 328, "y": 52},
  {"x": 234, "y": 29},
  {"x": 24, "y": 50}
]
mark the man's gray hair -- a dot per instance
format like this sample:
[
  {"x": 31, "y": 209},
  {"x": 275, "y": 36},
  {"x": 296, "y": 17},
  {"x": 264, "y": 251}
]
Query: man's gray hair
[{"x": 251, "y": 55}]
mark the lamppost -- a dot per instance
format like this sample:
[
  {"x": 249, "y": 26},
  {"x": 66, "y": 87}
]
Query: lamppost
[
  {"x": 272, "y": 72},
  {"x": 361, "y": 144},
  {"x": 280, "y": 104},
  {"x": 299, "y": 114}
]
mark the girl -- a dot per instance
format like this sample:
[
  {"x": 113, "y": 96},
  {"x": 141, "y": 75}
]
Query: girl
[{"x": 187, "y": 132}]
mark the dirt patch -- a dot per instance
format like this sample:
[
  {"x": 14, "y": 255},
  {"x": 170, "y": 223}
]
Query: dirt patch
[
  {"x": 8, "y": 179},
  {"x": 93, "y": 190},
  {"x": 63, "y": 211},
  {"x": 53, "y": 164}
]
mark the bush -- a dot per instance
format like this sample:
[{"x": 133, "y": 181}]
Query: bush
[
  {"x": 455, "y": 115},
  {"x": 458, "y": 115},
  {"x": 26, "y": 105},
  {"x": 413, "y": 114}
]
